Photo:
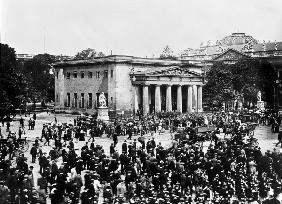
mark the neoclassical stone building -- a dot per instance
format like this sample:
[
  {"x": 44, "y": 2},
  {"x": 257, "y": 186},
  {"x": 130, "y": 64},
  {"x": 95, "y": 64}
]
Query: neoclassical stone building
[
  {"x": 239, "y": 46},
  {"x": 130, "y": 84}
]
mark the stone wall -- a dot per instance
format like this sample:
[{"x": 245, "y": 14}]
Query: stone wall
[
  {"x": 59, "y": 87},
  {"x": 124, "y": 88}
]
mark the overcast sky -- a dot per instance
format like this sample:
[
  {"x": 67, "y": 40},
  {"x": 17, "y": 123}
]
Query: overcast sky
[{"x": 133, "y": 27}]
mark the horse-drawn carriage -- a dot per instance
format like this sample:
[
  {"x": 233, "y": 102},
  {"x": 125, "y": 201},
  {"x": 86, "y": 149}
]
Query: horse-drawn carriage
[{"x": 200, "y": 133}]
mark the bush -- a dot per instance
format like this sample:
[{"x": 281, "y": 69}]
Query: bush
[{"x": 75, "y": 113}]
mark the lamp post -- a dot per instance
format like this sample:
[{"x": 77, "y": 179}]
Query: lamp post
[
  {"x": 277, "y": 83},
  {"x": 133, "y": 79}
]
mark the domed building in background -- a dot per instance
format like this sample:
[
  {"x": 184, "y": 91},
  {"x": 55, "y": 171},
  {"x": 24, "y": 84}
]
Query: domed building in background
[
  {"x": 237, "y": 39},
  {"x": 236, "y": 44},
  {"x": 235, "y": 47}
]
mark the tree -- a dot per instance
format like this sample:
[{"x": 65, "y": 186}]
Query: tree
[
  {"x": 12, "y": 83},
  {"x": 251, "y": 76},
  {"x": 219, "y": 86},
  {"x": 40, "y": 79},
  {"x": 89, "y": 53},
  {"x": 245, "y": 78},
  {"x": 167, "y": 53}
]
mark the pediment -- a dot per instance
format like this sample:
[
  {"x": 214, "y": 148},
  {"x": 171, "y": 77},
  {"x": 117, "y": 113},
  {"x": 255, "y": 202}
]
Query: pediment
[
  {"x": 175, "y": 71},
  {"x": 231, "y": 55}
]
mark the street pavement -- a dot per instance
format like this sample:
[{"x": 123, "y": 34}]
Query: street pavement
[{"x": 266, "y": 138}]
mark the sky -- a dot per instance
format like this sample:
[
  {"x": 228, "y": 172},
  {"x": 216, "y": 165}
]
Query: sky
[{"x": 132, "y": 27}]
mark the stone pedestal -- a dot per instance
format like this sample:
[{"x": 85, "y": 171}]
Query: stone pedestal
[
  {"x": 103, "y": 114},
  {"x": 240, "y": 105},
  {"x": 260, "y": 105}
]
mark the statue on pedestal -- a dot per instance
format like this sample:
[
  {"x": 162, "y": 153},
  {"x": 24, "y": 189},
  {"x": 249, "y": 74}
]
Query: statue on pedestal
[
  {"x": 260, "y": 103},
  {"x": 259, "y": 96},
  {"x": 103, "y": 113},
  {"x": 102, "y": 100}
]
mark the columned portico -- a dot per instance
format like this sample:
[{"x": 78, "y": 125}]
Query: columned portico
[
  {"x": 179, "y": 98},
  {"x": 168, "y": 98},
  {"x": 145, "y": 100},
  {"x": 167, "y": 90},
  {"x": 192, "y": 98},
  {"x": 158, "y": 98}
]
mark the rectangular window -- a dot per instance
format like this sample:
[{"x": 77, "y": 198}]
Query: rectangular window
[
  {"x": 68, "y": 99},
  {"x": 57, "y": 97},
  {"x": 82, "y": 100},
  {"x": 57, "y": 75},
  {"x": 75, "y": 99},
  {"x": 74, "y": 74},
  {"x": 97, "y": 74},
  {"x": 89, "y": 100},
  {"x": 82, "y": 74},
  {"x": 112, "y": 73},
  {"x": 68, "y": 75},
  {"x": 90, "y": 74},
  {"x": 106, "y": 73}
]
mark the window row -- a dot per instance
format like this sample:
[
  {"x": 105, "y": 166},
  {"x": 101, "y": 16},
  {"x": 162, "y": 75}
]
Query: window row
[
  {"x": 82, "y": 102},
  {"x": 90, "y": 74}
]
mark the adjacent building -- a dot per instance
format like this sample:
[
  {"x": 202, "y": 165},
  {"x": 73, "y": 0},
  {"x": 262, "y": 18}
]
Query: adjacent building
[
  {"x": 235, "y": 47},
  {"x": 133, "y": 84},
  {"x": 130, "y": 84}
]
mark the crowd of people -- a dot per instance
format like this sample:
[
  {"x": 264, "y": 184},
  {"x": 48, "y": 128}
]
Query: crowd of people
[{"x": 229, "y": 169}]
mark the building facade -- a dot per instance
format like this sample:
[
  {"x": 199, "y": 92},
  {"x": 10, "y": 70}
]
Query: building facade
[
  {"x": 239, "y": 46},
  {"x": 130, "y": 84},
  {"x": 240, "y": 42}
]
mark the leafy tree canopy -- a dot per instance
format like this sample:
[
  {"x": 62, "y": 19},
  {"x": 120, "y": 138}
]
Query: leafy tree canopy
[
  {"x": 242, "y": 79},
  {"x": 89, "y": 53},
  {"x": 12, "y": 83},
  {"x": 40, "y": 78}
]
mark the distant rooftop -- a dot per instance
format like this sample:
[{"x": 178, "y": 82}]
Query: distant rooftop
[
  {"x": 24, "y": 56},
  {"x": 122, "y": 59},
  {"x": 237, "y": 41}
]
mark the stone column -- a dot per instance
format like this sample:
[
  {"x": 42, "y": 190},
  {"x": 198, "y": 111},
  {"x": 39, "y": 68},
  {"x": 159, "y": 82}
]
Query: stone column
[
  {"x": 136, "y": 96},
  {"x": 195, "y": 97},
  {"x": 200, "y": 108},
  {"x": 189, "y": 99},
  {"x": 179, "y": 99},
  {"x": 145, "y": 100},
  {"x": 168, "y": 99},
  {"x": 158, "y": 99}
]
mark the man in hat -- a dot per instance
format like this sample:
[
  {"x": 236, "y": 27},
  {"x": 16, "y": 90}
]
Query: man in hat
[
  {"x": 22, "y": 122},
  {"x": 115, "y": 139},
  {"x": 129, "y": 131},
  {"x": 47, "y": 138},
  {"x": 43, "y": 162},
  {"x": 33, "y": 153},
  {"x": 20, "y": 132},
  {"x": 124, "y": 147}
]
